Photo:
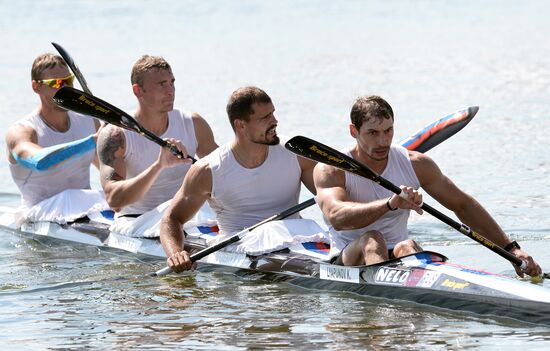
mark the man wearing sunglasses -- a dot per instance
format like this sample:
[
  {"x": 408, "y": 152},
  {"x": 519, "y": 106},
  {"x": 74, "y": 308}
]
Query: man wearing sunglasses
[
  {"x": 136, "y": 174},
  {"x": 51, "y": 150}
]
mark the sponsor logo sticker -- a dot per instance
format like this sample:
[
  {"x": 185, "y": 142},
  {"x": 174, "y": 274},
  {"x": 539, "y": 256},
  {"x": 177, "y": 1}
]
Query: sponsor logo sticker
[
  {"x": 339, "y": 273},
  {"x": 422, "y": 278},
  {"x": 391, "y": 275},
  {"x": 428, "y": 279},
  {"x": 454, "y": 284}
]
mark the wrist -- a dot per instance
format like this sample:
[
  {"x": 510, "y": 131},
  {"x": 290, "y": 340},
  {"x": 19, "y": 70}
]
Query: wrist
[
  {"x": 389, "y": 206},
  {"x": 512, "y": 246},
  {"x": 157, "y": 166}
]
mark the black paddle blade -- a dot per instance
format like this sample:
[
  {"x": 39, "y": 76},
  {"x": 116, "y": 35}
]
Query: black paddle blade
[
  {"x": 316, "y": 151},
  {"x": 75, "y": 100},
  {"x": 74, "y": 68},
  {"x": 319, "y": 152}
]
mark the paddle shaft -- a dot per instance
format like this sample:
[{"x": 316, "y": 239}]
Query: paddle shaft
[
  {"x": 88, "y": 104},
  {"x": 72, "y": 65},
  {"x": 238, "y": 236},
  {"x": 138, "y": 128},
  {"x": 316, "y": 151},
  {"x": 154, "y": 138}
]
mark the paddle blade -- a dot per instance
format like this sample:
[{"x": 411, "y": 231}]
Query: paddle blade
[
  {"x": 438, "y": 131},
  {"x": 75, "y": 100},
  {"x": 72, "y": 65},
  {"x": 316, "y": 151}
]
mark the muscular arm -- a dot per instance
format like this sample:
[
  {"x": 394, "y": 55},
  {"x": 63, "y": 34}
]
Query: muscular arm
[
  {"x": 342, "y": 213},
  {"x": 194, "y": 191},
  {"x": 120, "y": 191},
  {"x": 465, "y": 207},
  {"x": 23, "y": 149},
  {"x": 22, "y": 141},
  {"x": 204, "y": 135}
]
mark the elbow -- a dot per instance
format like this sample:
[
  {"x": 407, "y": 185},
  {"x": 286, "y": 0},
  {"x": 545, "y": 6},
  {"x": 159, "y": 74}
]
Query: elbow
[
  {"x": 170, "y": 225},
  {"x": 337, "y": 225},
  {"x": 113, "y": 201},
  {"x": 335, "y": 220}
]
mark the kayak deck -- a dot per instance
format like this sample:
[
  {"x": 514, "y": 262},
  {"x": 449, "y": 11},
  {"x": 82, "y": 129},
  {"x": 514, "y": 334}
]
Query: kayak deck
[{"x": 423, "y": 278}]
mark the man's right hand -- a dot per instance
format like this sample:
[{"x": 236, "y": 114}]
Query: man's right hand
[
  {"x": 168, "y": 159},
  {"x": 180, "y": 261},
  {"x": 413, "y": 202}
]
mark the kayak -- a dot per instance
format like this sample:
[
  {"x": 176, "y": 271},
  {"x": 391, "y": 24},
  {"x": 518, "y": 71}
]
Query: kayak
[{"x": 425, "y": 278}]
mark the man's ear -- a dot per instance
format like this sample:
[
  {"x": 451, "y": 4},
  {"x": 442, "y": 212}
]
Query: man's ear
[
  {"x": 353, "y": 130},
  {"x": 138, "y": 92},
  {"x": 238, "y": 123},
  {"x": 35, "y": 86}
]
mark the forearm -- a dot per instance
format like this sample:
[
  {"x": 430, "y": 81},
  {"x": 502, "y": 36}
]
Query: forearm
[
  {"x": 171, "y": 235},
  {"x": 354, "y": 215},
  {"x": 52, "y": 156},
  {"x": 124, "y": 192},
  {"x": 479, "y": 220}
]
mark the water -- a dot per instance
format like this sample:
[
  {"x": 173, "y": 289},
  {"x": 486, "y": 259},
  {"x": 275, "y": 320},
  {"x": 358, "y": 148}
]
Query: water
[{"x": 427, "y": 58}]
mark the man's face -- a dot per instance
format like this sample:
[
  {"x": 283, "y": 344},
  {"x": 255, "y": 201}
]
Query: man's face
[
  {"x": 158, "y": 91},
  {"x": 374, "y": 137},
  {"x": 262, "y": 126},
  {"x": 42, "y": 87}
]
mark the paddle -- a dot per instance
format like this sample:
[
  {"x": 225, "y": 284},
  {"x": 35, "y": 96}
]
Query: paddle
[
  {"x": 85, "y": 103},
  {"x": 436, "y": 132},
  {"x": 74, "y": 68},
  {"x": 316, "y": 151},
  {"x": 238, "y": 236},
  {"x": 425, "y": 139}
]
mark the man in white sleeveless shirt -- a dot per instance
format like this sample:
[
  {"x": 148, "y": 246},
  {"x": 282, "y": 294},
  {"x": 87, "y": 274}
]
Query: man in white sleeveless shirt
[
  {"x": 368, "y": 223},
  {"x": 136, "y": 174},
  {"x": 245, "y": 181},
  {"x": 51, "y": 149}
]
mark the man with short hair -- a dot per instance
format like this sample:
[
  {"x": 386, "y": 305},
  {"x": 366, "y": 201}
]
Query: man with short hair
[
  {"x": 51, "y": 149},
  {"x": 244, "y": 181},
  {"x": 136, "y": 174},
  {"x": 368, "y": 223}
]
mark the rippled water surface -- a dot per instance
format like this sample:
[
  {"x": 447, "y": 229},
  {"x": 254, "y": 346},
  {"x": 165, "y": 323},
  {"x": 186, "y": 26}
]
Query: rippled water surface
[{"x": 427, "y": 58}]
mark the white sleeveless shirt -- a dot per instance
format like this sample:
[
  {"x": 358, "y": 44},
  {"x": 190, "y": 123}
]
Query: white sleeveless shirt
[
  {"x": 142, "y": 153},
  {"x": 393, "y": 224},
  {"x": 72, "y": 174},
  {"x": 242, "y": 197}
]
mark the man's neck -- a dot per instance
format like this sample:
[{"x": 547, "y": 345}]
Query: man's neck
[
  {"x": 155, "y": 122},
  {"x": 249, "y": 154},
  {"x": 56, "y": 119}
]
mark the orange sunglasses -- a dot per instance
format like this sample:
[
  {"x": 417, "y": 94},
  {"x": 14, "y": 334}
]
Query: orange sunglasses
[{"x": 57, "y": 82}]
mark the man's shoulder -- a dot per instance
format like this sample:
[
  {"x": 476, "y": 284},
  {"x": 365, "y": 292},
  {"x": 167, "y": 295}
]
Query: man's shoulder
[
  {"x": 418, "y": 157},
  {"x": 111, "y": 135},
  {"x": 217, "y": 156},
  {"x": 111, "y": 129},
  {"x": 23, "y": 126}
]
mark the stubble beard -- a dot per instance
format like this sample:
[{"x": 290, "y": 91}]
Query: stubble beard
[{"x": 275, "y": 140}]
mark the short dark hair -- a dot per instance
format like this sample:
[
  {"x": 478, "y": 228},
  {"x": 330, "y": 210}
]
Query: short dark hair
[
  {"x": 44, "y": 62},
  {"x": 146, "y": 63},
  {"x": 240, "y": 103},
  {"x": 367, "y": 107}
]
